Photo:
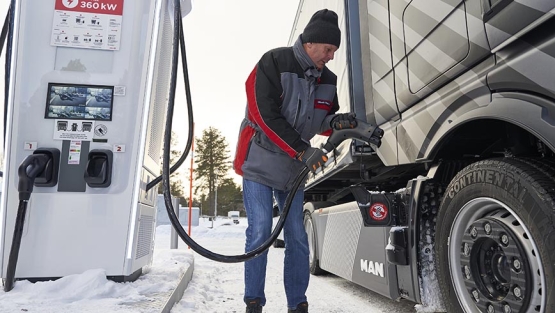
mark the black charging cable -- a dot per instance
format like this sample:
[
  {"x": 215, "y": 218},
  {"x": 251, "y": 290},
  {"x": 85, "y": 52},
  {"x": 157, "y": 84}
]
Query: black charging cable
[
  {"x": 167, "y": 171},
  {"x": 4, "y": 32},
  {"x": 29, "y": 169},
  {"x": 7, "y": 32}
]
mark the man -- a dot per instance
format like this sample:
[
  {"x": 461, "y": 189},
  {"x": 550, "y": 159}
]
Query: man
[{"x": 291, "y": 96}]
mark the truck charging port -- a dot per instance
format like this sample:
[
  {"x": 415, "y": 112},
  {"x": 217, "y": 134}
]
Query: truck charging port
[{"x": 377, "y": 209}]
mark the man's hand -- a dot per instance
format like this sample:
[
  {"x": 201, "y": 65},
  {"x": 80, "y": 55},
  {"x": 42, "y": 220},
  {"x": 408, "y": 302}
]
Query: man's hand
[
  {"x": 313, "y": 158},
  {"x": 344, "y": 120}
]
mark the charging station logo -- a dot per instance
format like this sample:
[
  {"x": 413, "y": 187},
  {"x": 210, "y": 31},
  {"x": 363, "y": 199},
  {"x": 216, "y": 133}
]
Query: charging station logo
[{"x": 70, "y": 4}]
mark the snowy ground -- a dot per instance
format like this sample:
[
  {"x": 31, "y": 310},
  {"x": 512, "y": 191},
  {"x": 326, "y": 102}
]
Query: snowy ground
[
  {"x": 215, "y": 287},
  {"x": 218, "y": 287}
]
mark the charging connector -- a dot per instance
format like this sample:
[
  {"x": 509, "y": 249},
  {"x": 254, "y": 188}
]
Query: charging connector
[
  {"x": 35, "y": 165},
  {"x": 30, "y": 168}
]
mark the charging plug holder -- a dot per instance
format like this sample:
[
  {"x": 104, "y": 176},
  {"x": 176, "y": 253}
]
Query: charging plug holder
[
  {"x": 98, "y": 173},
  {"x": 49, "y": 176}
]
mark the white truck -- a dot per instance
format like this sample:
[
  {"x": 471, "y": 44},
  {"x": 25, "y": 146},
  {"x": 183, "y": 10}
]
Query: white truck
[{"x": 234, "y": 215}]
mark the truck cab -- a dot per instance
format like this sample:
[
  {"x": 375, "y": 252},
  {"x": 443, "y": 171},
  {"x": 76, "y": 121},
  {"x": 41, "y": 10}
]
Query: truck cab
[{"x": 234, "y": 216}]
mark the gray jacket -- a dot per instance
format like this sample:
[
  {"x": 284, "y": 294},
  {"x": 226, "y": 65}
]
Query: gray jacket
[{"x": 288, "y": 102}]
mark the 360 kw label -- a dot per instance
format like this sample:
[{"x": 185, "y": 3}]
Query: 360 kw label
[
  {"x": 98, "y": 5},
  {"x": 113, "y": 7}
]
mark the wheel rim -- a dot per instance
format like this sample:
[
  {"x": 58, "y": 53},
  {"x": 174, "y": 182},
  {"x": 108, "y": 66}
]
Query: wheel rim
[
  {"x": 493, "y": 260},
  {"x": 309, "y": 228}
]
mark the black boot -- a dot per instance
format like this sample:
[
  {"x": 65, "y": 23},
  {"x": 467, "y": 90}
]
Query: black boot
[
  {"x": 301, "y": 308},
  {"x": 253, "y": 306}
]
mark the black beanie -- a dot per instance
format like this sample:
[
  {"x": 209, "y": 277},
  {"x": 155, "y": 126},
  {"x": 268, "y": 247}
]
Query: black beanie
[{"x": 322, "y": 28}]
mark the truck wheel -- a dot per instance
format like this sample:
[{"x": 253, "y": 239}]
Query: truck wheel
[
  {"x": 496, "y": 238},
  {"x": 312, "y": 245}
]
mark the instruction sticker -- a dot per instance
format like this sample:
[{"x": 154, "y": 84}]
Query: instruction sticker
[
  {"x": 74, "y": 152},
  {"x": 89, "y": 24},
  {"x": 73, "y": 130}
]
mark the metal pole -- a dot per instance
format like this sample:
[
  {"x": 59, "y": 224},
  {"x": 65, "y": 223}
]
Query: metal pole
[
  {"x": 174, "y": 239},
  {"x": 191, "y": 183},
  {"x": 216, "y": 198}
]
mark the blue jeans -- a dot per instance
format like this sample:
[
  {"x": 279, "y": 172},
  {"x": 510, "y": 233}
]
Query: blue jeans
[{"x": 258, "y": 199}]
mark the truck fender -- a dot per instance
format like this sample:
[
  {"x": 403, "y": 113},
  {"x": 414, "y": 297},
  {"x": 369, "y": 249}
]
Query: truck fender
[{"x": 529, "y": 112}]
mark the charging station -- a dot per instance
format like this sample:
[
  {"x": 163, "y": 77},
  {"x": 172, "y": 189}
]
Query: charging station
[{"x": 89, "y": 83}]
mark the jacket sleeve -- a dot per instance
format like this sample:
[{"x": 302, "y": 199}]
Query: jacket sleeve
[
  {"x": 325, "y": 127},
  {"x": 264, "y": 93}
]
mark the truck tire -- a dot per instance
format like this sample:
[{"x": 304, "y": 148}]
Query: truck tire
[
  {"x": 496, "y": 238},
  {"x": 312, "y": 245}
]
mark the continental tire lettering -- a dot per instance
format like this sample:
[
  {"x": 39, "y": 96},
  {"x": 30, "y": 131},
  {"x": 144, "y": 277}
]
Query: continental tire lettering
[
  {"x": 481, "y": 175},
  {"x": 509, "y": 183},
  {"x": 491, "y": 178},
  {"x": 498, "y": 179}
]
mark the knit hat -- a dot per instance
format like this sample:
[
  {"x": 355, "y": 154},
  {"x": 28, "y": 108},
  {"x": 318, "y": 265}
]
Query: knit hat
[{"x": 322, "y": 28}]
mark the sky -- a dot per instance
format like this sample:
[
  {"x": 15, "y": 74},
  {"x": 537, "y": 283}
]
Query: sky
[{"x": 215, "y": 287}]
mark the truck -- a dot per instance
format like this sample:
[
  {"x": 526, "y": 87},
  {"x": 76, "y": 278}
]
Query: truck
[
  {"x": 455, "y": 210},
  {"x": 234, "y": 215}
]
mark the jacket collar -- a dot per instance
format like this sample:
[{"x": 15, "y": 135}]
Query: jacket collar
[{"x": 304, "y": 60}]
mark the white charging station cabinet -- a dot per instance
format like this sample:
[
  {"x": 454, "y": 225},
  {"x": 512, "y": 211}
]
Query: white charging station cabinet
[{"x": 90, "y": 78}]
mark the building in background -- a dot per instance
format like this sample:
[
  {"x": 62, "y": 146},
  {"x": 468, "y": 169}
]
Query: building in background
[{"x": 163, "y": 219}]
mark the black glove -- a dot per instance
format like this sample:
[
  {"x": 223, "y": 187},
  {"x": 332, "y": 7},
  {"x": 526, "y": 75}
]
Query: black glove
[
  {"x": 344, "y": 120},
  {"x": 313, "y": 158}
]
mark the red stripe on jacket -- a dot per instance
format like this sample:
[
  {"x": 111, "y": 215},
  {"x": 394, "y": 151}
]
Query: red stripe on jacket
[
  {"x": 242, "y": 148},
  {"x": 254, "y": 115}
]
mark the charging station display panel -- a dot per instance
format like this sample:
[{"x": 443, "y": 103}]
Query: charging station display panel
[{"x": 79, "y": 102}]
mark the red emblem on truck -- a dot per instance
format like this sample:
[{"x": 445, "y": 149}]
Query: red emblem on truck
[{"x": 378, "y": 211}]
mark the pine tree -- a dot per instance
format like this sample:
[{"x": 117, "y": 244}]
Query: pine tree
[{"x": 212, "y": 165}]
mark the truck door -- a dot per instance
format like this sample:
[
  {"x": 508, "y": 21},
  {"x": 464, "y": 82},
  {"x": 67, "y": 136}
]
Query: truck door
[
  {"x": 378, "y": 72},
  {"x": 433, "y": 41},
  {"x": 502, "y": 26}
]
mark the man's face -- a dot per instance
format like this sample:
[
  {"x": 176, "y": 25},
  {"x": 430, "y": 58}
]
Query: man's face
[{"x": 320, "y": 53}]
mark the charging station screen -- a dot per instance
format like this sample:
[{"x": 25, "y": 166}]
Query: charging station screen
[{"x": 80, "y": 102}]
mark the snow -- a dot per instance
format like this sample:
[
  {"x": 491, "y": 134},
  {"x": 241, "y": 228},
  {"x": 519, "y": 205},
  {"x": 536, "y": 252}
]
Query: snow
[{"x": 215, "y": 287}]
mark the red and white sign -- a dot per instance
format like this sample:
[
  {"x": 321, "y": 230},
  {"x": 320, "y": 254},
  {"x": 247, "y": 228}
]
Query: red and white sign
[
  {"x": 378, "y": 212},
  {"x": 89, "y": 24},
  {"x": 112, "y": 7}
]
